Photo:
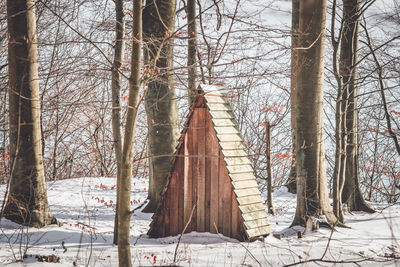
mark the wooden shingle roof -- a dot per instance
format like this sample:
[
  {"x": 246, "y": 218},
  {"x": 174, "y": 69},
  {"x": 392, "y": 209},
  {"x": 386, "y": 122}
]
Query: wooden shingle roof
[{"x": 239, "y": 166}]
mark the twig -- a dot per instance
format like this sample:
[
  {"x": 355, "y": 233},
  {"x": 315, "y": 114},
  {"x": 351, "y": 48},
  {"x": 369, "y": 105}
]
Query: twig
[
  {"x": 138, "y": 207},
  {"x": 311, "y": 45},
  {"x": 334, "y": 261},
  {"x": 183, "y": 231},
  {"x": 240, "y": 243}
]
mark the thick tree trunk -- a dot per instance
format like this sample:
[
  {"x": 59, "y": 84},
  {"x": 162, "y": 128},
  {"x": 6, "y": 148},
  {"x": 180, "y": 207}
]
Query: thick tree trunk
[
  {"x": 116, "y": 80},
  {"x": 192, "y": 48},
  {"x": 124, "y": 197},
  {"x": 291, "y": 182},
  {"x": 340, "y": 130},
  {"x": 160, "y": 100},
  {"x": 340, "y": 154},
  {"x": 27, "y": 199},
  {"x": 312, "y": 195},
  {"x": 351, "y": 193}
]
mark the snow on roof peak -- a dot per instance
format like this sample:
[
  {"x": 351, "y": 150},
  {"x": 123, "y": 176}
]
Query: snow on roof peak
[{"x": 214, "y": 88}]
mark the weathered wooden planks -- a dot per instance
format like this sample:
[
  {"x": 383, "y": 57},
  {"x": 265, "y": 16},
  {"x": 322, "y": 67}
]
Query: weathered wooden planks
[
  {"x": 229, "y": 138},
  {"x": 247, "y": 192},
  {"x": 236, "y": 220},
  {"x": 256, "y": 223},
  {"x": 226, "y": 129},
  {"x": 259, "y": 231},
  {"x": 215, "y": 99},
  {"x": 226, "y": 198},
  {"x": 242, "y": 176},
  {"x": 249, "y": 200},
  {"x": 221, "y": 114},
  {"x": 244, "y": 184},
  {"x": 223, "y": 122},
  {"x": 193, "y": 152},
  {"x": 173, "y": 205},
  {"x": 180, "y": 190},
  {"x": 212, "y": 162},
  {"x": 219, "y": 106},
  {"x": 251, "y": 208},
  {"x": 239, "y": 168},
  {"x": 232, "y": 145},
  {"x": 234, "y": 153},
  {"x": 201, "y": 178},
  {"x": 237, "y": 161},
  {"x": 254, "y": 215},
  {"x": 188, "y": 188}
]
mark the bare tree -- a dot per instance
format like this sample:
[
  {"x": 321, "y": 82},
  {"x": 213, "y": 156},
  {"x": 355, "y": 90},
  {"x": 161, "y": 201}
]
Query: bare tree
[
  {"x": 312, "y": 195},
  {"x": 192, "y": 50},
  {"x": 340, "y": 116},
  {"x": 160, "y": 98},
  {"x": 271, "y": 209},
  {"x": 291, "y": 183},
  {"x": 351, "y": 191},
  {"x": 124, "y": 192},
  {"x": 27, "y": 199},
  {"x": 116, "y": 81}
]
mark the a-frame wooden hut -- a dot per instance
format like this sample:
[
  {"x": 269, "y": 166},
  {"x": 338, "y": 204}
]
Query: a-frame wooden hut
[{"x": 211, "y": 182}]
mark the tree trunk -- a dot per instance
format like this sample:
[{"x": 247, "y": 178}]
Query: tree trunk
[
  {"x": 124, "y": 197},
  {"x": 27, "y": 199},
  {"x": 160, "y": 100},
  {"x": 116, "y": 80},
  {"x": 351, "y": 193},
  {"x": 291, "y": 182},
  {"x": 312, "y": 195},
  {"x": 271, "y": 209},
  {"x": 340, "y": 119},
  {"x": 192, "y": 48},
  {"x": 340, "y": 154}
]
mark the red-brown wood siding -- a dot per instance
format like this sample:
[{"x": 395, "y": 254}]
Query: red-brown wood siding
[{"x": 199, "y": 177}]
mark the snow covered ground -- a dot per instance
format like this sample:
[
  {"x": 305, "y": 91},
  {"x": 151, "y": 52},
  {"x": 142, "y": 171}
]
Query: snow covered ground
[{"x": 84, "y": 206}]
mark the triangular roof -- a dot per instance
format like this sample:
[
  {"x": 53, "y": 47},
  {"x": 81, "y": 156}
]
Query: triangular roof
[{"x": 197, "y": 171}]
